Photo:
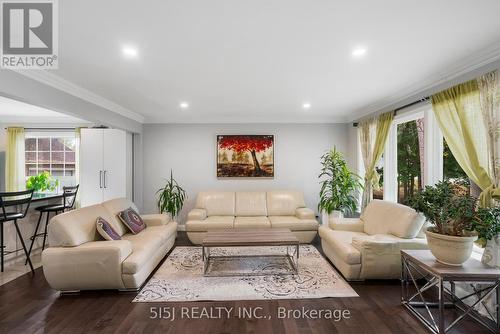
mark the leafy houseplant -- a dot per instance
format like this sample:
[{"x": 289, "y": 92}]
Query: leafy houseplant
[
  {"x": 454, "y": 216},
  {"x": 171, "y": 197},
  {"x": 339, "y": 186},
  {"x": 42, "y": 182},
  {"x": 487, "y": 224}
]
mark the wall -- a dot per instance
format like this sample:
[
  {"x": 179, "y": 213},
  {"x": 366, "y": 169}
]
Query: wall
[{"x": 190, "y": 151}]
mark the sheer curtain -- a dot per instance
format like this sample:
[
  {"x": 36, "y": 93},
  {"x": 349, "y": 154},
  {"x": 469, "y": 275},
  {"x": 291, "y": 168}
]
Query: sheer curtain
[
  {"x": 489, "y": 91},
  {"x": 373, "y": 136},
  {"x": 460, "y": 115},
  {"x": 469, "y": 117},
  {"x": 15, "y": 178}
]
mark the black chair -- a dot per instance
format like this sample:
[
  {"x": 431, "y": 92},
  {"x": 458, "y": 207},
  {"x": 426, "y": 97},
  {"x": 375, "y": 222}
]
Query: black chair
[
  {"x": 16, "y": 199},
  {"x": 68, "y": 203}
]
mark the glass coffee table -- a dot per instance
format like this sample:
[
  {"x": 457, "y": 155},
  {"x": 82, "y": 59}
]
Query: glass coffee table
[{"x": 267, "y": 242}]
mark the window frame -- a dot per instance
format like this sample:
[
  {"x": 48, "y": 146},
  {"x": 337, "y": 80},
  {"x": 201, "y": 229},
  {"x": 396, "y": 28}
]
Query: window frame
[
  {"x": 50, "y": 135},
  {"x": 433, "y": 152}
]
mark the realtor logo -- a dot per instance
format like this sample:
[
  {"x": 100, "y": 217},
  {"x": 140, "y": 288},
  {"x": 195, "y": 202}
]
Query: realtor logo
[{"x": 29, "y": 34}]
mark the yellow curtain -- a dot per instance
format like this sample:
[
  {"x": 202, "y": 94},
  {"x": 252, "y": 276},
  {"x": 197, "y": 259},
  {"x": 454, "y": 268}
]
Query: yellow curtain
[
  {"x": 458, "y": 112},
  {"x": 373, "y": 135},
  {"x": 15, "y": 178}
]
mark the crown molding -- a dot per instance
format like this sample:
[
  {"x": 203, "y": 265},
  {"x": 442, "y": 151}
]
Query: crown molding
[
  {"x": 433, "y": 83},
  {"x": 66, "y": 86}
]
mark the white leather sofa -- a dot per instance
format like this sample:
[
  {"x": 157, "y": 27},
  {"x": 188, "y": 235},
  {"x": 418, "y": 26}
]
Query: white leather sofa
[
  {"x": 273, "y": 209},
  {"x": 369, "y": 247},
  {"x": 79, "y": 259}
]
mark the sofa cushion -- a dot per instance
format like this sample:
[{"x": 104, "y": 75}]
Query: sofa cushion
[
  {"x": 383, "y": 217},
  {"x": 144, "y": 246},
  {"x": 132, "y": 220},
  {"x": 340, "y": 243},
  {"x": 251, "y": 203},
  {"x": 304, "y": 213},
  {"x": 216, "y": 203},
  {"x": 211, "y": 223},
  {"x": 386, "y": 244},
  {"x": 76, "y": 227},
  {"x": 252, "y": 222},
  {"x": 284, "y": 203},
  {"x": 106, "y": 230},
  {"x": 115, "y": 206},
  {"x": 293, "y": 223}
]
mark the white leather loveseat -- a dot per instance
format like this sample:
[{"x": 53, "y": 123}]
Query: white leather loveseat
[
  {"x": 369, "y": 247},
  {"x": 79, "y": 259},
  {"x": 273, "y": 209}
]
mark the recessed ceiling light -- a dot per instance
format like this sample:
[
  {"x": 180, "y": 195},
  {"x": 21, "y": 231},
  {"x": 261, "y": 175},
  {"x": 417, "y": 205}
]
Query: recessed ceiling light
[
  {"x": 130, "y": 51},
  {"x": 184, "y": 105},
  {"x": 358, "y": 52},
  {"x": 306, "y": 106}
]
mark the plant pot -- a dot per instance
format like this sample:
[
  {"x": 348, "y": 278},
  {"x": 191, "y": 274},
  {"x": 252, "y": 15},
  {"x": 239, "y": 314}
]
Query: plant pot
[
  {"x": 491, "y": 254},
  {"x": 450, "y": 250},
  {"x": 325, "y": 217}
]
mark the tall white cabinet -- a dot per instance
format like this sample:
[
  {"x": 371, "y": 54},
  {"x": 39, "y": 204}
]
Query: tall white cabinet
[{"x": 103, "y": 161}]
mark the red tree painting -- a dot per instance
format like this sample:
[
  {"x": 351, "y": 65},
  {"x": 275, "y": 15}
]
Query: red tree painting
[{"x": 245, "y": 156}]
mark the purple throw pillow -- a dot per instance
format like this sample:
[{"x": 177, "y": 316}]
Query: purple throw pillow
[
  {"x": 132, "y": 220},
  {"x": 106, "y": 230}
]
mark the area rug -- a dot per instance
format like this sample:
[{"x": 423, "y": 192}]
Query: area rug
[{"x": 180, "y": 278}]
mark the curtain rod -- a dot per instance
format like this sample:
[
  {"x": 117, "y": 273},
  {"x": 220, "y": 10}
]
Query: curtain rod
[
  {"x": 41, "y": 129},
  {"x": 424, "y": 99}
]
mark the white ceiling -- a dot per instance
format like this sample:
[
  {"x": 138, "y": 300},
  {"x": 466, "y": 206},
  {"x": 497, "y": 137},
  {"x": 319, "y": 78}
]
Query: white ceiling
[
  {"x": 259, "y": 60},
  {"x": 15, "y": 112}
]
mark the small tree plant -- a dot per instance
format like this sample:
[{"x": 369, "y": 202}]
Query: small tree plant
[
  {"x": 339, "y": 186},
  {"x": 171, "y": 197},
  {"x": 451, "y": 211}
]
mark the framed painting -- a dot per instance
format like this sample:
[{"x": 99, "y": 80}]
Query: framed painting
[{"x": 245, "y": 156}]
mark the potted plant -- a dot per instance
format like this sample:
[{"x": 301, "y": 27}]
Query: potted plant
[
  {"x": 339, "y": 186},
  {"x": 487, "y": 225},
  {"x": 171, "y": 197},
  {"x": 453, "y": 216},
  {"x": 42, "y": 182}
]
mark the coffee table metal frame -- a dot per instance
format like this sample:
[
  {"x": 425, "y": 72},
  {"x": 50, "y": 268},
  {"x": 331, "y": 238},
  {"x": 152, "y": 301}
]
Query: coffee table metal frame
[
  {"x": 413, "y": 272},
  {"x": 292, "y": 257}
]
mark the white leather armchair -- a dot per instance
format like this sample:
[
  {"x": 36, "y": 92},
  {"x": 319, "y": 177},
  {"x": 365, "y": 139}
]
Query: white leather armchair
[{"x": 369, "y": 247}]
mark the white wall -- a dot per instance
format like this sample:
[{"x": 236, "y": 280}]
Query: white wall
[{"x": 190, "y": 151}]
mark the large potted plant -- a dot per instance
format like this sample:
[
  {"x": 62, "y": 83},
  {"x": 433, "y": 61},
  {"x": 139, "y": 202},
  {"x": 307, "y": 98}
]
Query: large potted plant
[
  {"x": 453, "y": 216},
  {"x": 339, "y": 186},
  {"x": 171, "y": 197}
]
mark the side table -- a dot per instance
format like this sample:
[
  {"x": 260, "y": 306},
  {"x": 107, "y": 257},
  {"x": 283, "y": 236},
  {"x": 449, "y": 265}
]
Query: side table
[{"x": 422, "y": 274}]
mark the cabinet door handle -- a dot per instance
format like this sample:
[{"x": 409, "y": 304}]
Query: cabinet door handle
[
  {"x": 100, "y": 179},
  {"x": 105, "y": 185}
]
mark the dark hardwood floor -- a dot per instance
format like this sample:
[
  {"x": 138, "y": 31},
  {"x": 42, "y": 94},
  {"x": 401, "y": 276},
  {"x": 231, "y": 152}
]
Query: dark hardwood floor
[{"x": 29, "y": 305}]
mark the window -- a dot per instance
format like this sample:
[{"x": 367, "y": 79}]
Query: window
[
  {"x": 453, "y": 172},
  {"x": 52, "y": 152},
  {"x": 410, "y": 158},
  {"x": 379, "y": 167}
]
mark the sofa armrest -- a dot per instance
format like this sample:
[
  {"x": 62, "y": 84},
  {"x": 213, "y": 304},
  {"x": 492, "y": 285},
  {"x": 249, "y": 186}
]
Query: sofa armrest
[
  {"x": 155, "y": 219},
  {"x": 197, "y": 214},
  {"x": 92, "y": 265},
  {"x": 304, "y": 213},
  {"x": 346, "y": 224}
]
